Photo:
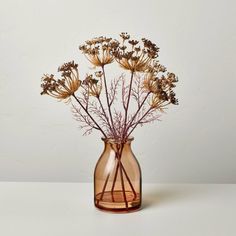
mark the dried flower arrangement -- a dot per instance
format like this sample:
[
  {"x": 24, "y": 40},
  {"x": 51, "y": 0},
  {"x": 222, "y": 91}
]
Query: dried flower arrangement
[
  {"x": 149, "y": 85},
  {"x": 146, "y": 92}
]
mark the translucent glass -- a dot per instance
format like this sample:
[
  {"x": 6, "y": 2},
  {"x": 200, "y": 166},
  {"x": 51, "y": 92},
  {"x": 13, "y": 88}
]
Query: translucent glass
[{"x": 117, "y": 178}]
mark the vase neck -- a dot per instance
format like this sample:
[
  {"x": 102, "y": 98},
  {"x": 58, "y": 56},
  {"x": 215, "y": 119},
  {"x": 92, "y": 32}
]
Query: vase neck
[
  {"x": 118, "y": 141},
  {"x": 117, "y": 145}
]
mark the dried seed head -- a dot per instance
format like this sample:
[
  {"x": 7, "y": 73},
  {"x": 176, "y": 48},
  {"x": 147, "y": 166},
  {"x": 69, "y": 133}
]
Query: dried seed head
[
  {"x": 124, "y": 36},
  {"x": 98, "y": 50},
  {"x": 134, "y": 57},
  {"x": 64, "y": 87},
  {"x": 93, "y": 86}
]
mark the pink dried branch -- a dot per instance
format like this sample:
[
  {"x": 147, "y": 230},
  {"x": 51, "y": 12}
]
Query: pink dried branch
[
  {"x": 150, "y": 117},
  {"x": 86, "y": 123},
  {"x": 141, "y": 112},
  {"x": 114, "y": 88},
  {"x": 137, "y": 91},
  {"x": 118, "y": 122},
  {"x": 125, "y": 89},
  {"x": 84, "y": 98},
  {"x": 96, "y": 110}
]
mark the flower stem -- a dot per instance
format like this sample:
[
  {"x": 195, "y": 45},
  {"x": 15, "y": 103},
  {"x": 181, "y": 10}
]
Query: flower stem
[
  {"x": 108, "y": 104},
  {"x": 105, "y": 114},
  {"x": 121, "y": 168},
  {"x": 127, "y": 106},
  {"x": 136, "y": 113},
  {"x": 139, "y": 121},
  {"x": 99, "y": 128},
  {"x": 123, "y": 186}
]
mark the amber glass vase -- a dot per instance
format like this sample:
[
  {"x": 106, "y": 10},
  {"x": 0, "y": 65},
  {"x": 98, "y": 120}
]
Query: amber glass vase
[{"x": 117, "y": 178}]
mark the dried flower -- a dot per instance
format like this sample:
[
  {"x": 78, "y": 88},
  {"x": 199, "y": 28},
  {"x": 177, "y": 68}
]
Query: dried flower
[
  {"x": 98, "y": 50},
  {"x": 66, "y": 86},
  {"x": 136, "y": 58},
  {"x": 172, "y": 98},
  {"x": 94, "y": 87},
  {"x": 155, "y": 67},
  {"x": 150, "y": 83},
  {"x": 124, "y": 36},
  {"x": 149, "y": 91},
  {"x": 161, "y": 88}
]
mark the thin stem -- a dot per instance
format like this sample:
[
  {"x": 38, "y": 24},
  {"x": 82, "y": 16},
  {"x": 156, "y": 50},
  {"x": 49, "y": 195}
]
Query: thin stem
[
  {"x": 136, "y": 113},
  {"x": 127, "y": 177},
  {"x": 118, "y": 156},
  {"x": 103, "y": 110},
  {"x": 139, "y": 121},
  {"x": 89, "y": 115},
  {"x": 114, "y": 180},
  {"x": 127, "y": 106},
  {"x": 123, "y": 186},
  {"x": 108, "y": 104}
]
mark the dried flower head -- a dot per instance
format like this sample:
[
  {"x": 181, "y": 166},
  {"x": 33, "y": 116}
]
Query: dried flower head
[
  {"x": 98, "y": 50},
  {"x": 161, "y": 88},
  {"x": 155, "y": 67},
  {"x": 150, "y": 83},
  {"x": 134, "y": 57},
  {"x": 93, "y": 86},
  {"x": 124, "y": 36},
  {"x": 64, "y": 87}
]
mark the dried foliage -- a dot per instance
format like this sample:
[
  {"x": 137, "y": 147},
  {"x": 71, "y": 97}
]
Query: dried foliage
[{"x": 147, "y": 86}]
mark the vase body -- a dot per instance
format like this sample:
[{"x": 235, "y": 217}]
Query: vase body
[{"x": 117, "y": 178}]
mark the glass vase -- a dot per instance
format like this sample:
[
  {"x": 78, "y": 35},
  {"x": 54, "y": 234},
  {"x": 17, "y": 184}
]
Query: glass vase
[{"x": 117, "y": 178}]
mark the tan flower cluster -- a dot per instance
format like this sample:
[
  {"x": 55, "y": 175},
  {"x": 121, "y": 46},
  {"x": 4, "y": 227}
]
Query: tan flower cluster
[
  {"x": 64, "y": 87},
  {"x": 161, "y": 88},
  {"x": 93, "y": 86},
  {"x": 130, "y": 54},
  {"x": 98, "y": 50},
  {"x": 133, "y": 56}
]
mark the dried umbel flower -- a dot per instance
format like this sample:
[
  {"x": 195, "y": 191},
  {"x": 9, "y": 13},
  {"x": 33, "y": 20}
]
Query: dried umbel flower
[
  {"x": 98, "y": 50},
  {"x": 64, "y": 87},
  {"x": 160, "y": 88},
  {"x": 150, "y": 83},
  {"x": 155, "y": 67},
  {"x": 92, "y": 86},
  {"x": 172, "y": 98},
  {"x": 134, "y": 57}
]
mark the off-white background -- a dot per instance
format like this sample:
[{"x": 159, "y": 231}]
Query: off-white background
[{"x": 194, "y": 142}]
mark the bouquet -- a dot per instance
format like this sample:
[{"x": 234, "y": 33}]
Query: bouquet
[
  {"x": 146, "y": 85},
  {"x": 115, "y": 107}
]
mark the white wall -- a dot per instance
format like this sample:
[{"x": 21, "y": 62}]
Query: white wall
[{"x": 195, "y": 142}]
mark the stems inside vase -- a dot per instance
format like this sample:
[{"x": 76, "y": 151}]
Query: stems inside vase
[{"x": 118, "y": 149}]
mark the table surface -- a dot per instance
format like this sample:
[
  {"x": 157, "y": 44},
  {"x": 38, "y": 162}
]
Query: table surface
[{"x": 66, "y": 209}]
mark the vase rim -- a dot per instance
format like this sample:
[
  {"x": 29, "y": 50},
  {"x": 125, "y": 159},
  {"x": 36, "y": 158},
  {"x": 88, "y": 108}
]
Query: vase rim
[{"x": 113, "y": 140}]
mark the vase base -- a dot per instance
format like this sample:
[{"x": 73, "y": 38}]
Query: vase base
[{"x": 115, "y": 201}]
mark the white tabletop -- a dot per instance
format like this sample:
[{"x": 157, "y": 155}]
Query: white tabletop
[{"x": 66, "y": 209}]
